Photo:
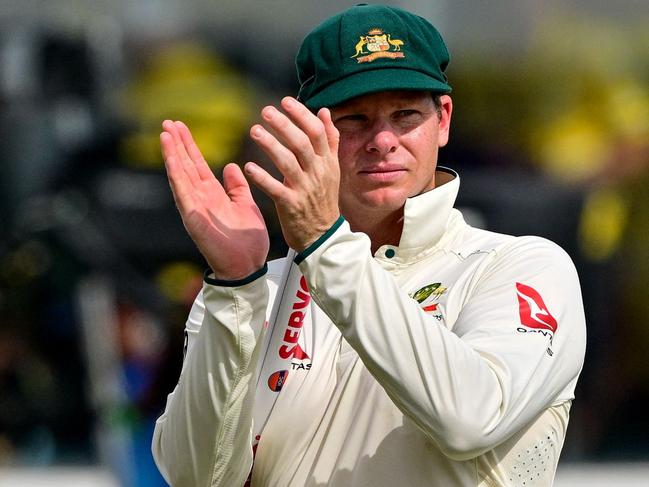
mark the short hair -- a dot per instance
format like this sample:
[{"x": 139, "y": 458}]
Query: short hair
[{"x": 437, "y": 100}]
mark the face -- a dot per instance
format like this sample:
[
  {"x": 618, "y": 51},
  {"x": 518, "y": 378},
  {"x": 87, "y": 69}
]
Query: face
[{"x": 388, "y": 148}]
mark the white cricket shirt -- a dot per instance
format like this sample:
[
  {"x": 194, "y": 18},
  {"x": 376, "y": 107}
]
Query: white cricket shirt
[{"x": 449, "y": 360}]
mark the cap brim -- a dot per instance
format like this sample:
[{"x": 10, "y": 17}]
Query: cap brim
[{"x": 373, "y": 81}]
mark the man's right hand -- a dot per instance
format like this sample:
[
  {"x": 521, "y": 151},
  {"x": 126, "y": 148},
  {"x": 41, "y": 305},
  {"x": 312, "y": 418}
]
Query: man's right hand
[{"x": 223, "y": 220}]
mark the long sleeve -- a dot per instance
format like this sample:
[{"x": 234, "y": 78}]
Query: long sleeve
[
  {"x": 473, "y": 383},
  {"x": 204, "y": 437}
]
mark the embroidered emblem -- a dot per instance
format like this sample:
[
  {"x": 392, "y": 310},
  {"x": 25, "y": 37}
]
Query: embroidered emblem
[
  {"x": 428, "y": 296},
  {"x": 436, "y": 290},
  {"x": 377, "y": 44}
]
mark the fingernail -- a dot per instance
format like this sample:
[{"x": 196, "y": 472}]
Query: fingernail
[
  {"x": 268, "y": 112},
  {"x": 256, "y": 131},
  {"x": 289, "y": 102}
]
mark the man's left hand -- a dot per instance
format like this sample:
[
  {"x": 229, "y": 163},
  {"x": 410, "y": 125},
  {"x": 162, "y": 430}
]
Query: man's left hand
[{"x": 304, "y": 148}]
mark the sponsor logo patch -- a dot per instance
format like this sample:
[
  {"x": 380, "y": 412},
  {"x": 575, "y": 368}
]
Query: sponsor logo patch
[
  {"x": 291, "y": 349},
  {"x": 277, "y": 379},
  {"x": 532, "y": 309}
]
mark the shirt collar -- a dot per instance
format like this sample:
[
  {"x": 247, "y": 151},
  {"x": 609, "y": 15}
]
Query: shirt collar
[{"x": 426, "y": 215}]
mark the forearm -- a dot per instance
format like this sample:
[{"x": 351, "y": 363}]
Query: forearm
[
  {"x": 468, "y": 393},
  {"x": 204, "y": 436},
  {"x": 418, "y": 363}
]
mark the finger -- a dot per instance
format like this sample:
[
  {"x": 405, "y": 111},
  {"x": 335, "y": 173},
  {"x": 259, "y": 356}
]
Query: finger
[
  {"x": 167, "y": 143},
  {"x": 290, "y": 135},
  {"x": 267, "y": 183},
  {"x": 202, "y": 168},
  {"x": 169, "y": 126},
  {"x": 188, "y": 163},
  {"x": 308, "y": 123},
  {"x": 181, "y": 152},
  {"x": 235, "y": 184},
  {"x": 333, "y": 136},
  {"x": 181, "y": 187},
  {"x": 181, "y": 182},
  {"x": 282, "y": 157}
]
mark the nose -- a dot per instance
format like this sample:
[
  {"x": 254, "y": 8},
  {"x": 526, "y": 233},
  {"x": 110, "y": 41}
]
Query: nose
[{"x": 383, "y": 140}]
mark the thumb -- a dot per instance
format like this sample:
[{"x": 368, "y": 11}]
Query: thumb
[{"x": 235, "y": 184}]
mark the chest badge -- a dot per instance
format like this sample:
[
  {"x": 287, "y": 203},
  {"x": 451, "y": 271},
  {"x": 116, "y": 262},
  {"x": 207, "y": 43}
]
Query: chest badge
[{"x": 428, "y": 296}]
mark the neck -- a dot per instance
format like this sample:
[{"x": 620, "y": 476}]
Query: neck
[{"x": 382, "y": 228}]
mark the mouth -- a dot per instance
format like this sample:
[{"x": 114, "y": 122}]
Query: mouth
[{"x": 382, "y": 173}]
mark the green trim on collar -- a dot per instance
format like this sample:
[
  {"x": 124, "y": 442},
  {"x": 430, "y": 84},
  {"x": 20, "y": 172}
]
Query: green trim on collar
[
  {"x": 311, "y": 248},
  {"x": 237, "y": 282}
]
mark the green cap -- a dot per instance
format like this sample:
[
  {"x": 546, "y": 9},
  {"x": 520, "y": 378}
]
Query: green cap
[{"x": 370, "y": 48}]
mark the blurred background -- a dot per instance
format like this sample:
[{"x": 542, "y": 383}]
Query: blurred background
[{"x": 550, "y": 135}]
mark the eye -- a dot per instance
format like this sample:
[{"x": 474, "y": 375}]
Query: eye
[
  {"x": 351, "y": 117},
  {"x": 407, "y": 113},
  {"x": 350, "y": 121},
  {"x": 408, "y": 117}
]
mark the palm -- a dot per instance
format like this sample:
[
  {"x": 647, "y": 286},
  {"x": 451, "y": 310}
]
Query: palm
[{"x": 223, "y": 220}]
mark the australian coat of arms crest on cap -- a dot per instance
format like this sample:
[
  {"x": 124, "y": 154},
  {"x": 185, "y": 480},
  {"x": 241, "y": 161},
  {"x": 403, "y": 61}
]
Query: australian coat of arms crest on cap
[{"x": 377, "y": 44}]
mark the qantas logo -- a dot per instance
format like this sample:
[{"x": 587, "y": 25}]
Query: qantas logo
[
  {"x": 291, "y": 349},
  {"x": 533, "y": 311}
]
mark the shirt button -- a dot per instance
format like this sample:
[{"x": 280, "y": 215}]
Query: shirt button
[{"x": 390, "y": 253}]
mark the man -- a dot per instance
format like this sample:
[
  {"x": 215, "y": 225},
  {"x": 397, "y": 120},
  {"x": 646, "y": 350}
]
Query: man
[{"x": 402, "y": 346}]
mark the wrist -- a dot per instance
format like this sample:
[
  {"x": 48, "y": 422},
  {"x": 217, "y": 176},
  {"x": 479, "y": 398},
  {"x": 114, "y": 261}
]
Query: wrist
[
  {"x": 236, "y": 267},
  {"x": 305, "y": 252},
  {"x": 304, "y": 236},
  {"x": 229, "y": 280}
]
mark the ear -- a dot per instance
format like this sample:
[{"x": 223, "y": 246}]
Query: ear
[{"x": 446, "y": 110}]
